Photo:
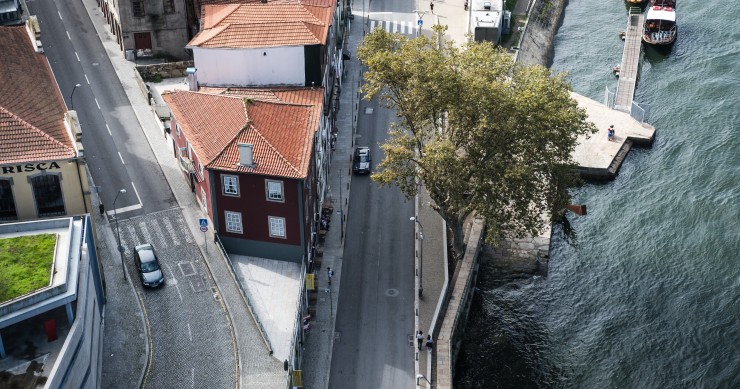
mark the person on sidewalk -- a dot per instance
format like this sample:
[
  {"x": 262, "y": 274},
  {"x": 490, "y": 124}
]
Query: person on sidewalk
[
  {"x": 430, "y": 343},
  {"x": 330, "y": 274},
  {"x": 610, "y": 133},
  {"x": 419, "y": 339},
  {"x": 431, "y": 6}
]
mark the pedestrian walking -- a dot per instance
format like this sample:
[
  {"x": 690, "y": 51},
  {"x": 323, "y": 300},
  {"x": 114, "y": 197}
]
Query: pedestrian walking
[
  {"x": 419, "y": 339},
  {"x": 431, "y": 6},
  {"x": 610, "y": 133},
  {"x": 330, "y": 274},
  {"x": 430, "y": 343}
]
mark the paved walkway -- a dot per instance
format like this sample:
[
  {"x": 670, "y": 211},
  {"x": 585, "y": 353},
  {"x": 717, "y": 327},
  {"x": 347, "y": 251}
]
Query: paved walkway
[{"x": 257, "y": 368}]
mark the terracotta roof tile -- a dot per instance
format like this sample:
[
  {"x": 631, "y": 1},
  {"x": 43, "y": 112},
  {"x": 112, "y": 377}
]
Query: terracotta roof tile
[
  {"x": 32, "y": 106},
  {"x": 281, "y": 130},
  {"x": 241, "y": 24}
]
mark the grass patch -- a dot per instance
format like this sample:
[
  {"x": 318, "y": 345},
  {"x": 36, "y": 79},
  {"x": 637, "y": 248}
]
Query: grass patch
[{"x": 25, "y": 264}]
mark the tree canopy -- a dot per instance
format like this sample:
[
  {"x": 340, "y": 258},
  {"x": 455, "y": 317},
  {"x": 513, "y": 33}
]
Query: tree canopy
[{"x": 480, "y": 132}]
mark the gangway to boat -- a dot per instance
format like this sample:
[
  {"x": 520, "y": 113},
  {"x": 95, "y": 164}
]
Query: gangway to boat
[{"x": 630, "y": 61}]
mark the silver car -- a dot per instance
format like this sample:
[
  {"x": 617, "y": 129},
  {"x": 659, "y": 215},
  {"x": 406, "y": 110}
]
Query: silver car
[{"x": 148, "y": 266}]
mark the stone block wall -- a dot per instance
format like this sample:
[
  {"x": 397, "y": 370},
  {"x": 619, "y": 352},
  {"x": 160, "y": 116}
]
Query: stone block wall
[{"x": 150, "y": 73}]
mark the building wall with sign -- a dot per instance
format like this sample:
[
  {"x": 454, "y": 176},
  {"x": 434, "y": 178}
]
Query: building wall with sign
[{"x": 38, "y": 190}]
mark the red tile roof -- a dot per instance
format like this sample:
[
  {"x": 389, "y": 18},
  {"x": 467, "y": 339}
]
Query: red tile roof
[
  {"x": 255, "y": 24},
  {"x": 31, "y": 106},
  {"x": 279, "y": 123}
]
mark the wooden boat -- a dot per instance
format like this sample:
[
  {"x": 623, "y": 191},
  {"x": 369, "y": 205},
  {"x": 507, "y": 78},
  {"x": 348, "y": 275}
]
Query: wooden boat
[
  {"x": 660, "y": 28},
  {"x": 636, "y": 2}
]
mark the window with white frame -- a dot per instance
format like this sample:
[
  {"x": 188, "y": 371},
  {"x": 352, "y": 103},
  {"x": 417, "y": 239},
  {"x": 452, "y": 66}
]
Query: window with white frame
[
  {"x": 230, "y": 185},
  {"x": 277, "y": 227},
  {"x": 234, "y": 222},
  {"x": 274, "y": 190}
]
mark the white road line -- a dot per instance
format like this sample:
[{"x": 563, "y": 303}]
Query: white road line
[
  {"x": 177, "y": 287},
  {"x": 188, "y": 235},
  {"x": 108, "y": 128},
  {"x": 388, "y": 27},
  {"x": 172, "y": 232},
  {"x": 96, "y": 103},
  {"x": 158, "y": 232},
  {"x": 192, "y": 377},
  {"x": 86, "y": 79},
  {"x": 124, "y": 209},
  {"x": 120, "y": 156},
  {"x": 190, "y": 333},
  {"x": 60, "y": 15},
  {"x": 132, "y": 234},
  {"x": 70, "y": 38},
  {"x": 137, "y": 193},
  {"x": 78, "y": 59},
  {"x": 144, "y": 230},
  {"x": 396, "y": 26}
]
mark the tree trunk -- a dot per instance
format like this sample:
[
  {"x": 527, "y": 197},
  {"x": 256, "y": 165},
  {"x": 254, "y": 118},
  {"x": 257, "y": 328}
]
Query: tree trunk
[{"x": 458, "y": 237}]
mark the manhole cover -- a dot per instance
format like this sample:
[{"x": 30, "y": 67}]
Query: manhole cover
[
  {"x": 411, "y": 340},
  {"x": 368, "y": 110},
  {"x": 196, "y": 282},
  {"x": 186, "y": 268},
  {"x": 391, "y": 292}
]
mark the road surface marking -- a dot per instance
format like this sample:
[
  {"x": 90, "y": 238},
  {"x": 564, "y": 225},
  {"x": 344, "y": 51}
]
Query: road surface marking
[
  {"x": 119, "y": 156},
  {"x": 190, "y": 333},
  {"x": 86, "y": 79},
  {"x": 124, "y": 209},
  {"x": 158, "y": 232},
  {"x": 78, "y": 59},
  {"x": 144, "y": 230},
  {"x": 192, "y": 377},
  {"x": 171, "y": 230},
  {"x": 177, "y": 286},
  {"x": 96, "y": 103},
  {"x": 70, "y": 38},
  {"x": 60, "y": 15},
  {"x": 137, "y": 193},
  {"x": 106, "y": 126}
]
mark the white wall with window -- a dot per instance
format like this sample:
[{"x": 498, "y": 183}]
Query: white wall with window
[
  {"x": 277, "y": 227},
  {"x": 274, "y": 190},
  {"x": 233, "y": 222}
]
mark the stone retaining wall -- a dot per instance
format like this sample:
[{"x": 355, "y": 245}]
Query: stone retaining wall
[
  {"x": 542, "y": 24},
  {"x": 163, "y": 70}
]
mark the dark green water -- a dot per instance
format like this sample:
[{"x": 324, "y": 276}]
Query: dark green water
[{"x": 651, "y": 297}]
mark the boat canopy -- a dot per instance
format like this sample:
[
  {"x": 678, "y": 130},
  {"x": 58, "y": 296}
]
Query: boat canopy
[{"x": 661, "y": 15}]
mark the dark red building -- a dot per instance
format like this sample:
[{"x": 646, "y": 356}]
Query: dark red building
[{"x": 249, "y": 157}]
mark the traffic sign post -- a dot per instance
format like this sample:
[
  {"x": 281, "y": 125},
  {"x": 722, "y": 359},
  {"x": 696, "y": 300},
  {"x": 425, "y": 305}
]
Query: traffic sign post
[{"x": 204, "y": 227}]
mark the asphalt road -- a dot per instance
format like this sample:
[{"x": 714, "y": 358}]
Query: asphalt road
[
  {"x": 191, "y": 341},
  {"x": 375, "y": 316},
  {"x": 118, "y": 155}
]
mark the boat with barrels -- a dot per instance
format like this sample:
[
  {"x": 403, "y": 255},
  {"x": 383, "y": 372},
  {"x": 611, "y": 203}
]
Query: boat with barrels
[{"x": 660, "y": 28}]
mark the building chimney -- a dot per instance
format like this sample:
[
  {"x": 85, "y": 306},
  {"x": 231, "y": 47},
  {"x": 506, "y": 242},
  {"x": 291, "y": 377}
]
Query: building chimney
[
  {"x": 192, "y": 79},
  {"x": 246, "y": 154}
]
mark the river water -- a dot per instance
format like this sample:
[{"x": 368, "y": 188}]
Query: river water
[{"x": 650, "y": 298}]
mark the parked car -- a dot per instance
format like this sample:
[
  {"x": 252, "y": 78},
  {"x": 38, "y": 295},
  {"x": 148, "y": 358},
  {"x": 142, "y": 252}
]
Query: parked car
[
  {"x": 148, "y": 266},
  {"x": 361, "y": 160}
]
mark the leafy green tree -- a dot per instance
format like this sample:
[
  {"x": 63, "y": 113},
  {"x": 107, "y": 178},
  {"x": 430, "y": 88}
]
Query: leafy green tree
[{"x": 480, "y": 132}]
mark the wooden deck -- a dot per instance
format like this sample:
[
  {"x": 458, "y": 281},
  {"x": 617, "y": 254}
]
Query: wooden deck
[{"x": 630, "y": 62}]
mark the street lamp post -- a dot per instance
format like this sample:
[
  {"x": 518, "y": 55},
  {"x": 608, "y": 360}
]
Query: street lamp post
[
  {"x": 421, "y": 251},
  {"x": 118, "y": 232},
  {"x": 71, "y": 97}
]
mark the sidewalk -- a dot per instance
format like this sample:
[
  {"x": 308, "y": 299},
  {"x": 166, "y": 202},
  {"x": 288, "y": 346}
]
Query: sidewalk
[
  {"x": 320, "y": 341},
  {"x": 257, "y": 369},
  {"x": 432, "y": 261}
]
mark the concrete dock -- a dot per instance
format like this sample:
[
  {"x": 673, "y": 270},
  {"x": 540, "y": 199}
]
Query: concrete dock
[{"x": 597, "y": 157}]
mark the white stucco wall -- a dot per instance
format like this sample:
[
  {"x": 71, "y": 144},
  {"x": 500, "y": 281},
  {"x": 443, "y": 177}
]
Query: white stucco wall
[{"x": 250, "y": 67}]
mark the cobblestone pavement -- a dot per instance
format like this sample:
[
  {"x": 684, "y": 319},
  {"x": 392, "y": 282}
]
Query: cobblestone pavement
[{"x": 190, "y": 344}]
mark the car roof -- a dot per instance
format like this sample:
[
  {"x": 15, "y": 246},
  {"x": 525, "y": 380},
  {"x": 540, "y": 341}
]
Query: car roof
[
  {"x": 362, "y": 150},
  {"x": 146, "y": 252}
]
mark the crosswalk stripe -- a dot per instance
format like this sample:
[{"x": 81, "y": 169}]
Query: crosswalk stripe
[
  {"x": 172, "y": 233},
  {"x": 145, "y": 232},
  {"x": 397, "y": 25},
  {"x": 160, "y": 239},
  {"x": 128, "y": 244}
]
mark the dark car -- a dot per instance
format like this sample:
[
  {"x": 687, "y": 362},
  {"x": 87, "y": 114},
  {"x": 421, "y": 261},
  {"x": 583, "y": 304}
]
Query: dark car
[
  {"x": 148, "y": 266},
  {"x": 361, "y": 160}
]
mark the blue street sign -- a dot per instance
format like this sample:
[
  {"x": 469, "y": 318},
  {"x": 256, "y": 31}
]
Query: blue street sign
[
  {"x": 420, "y": 22},
  {"x": 203, "y": 224}
]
